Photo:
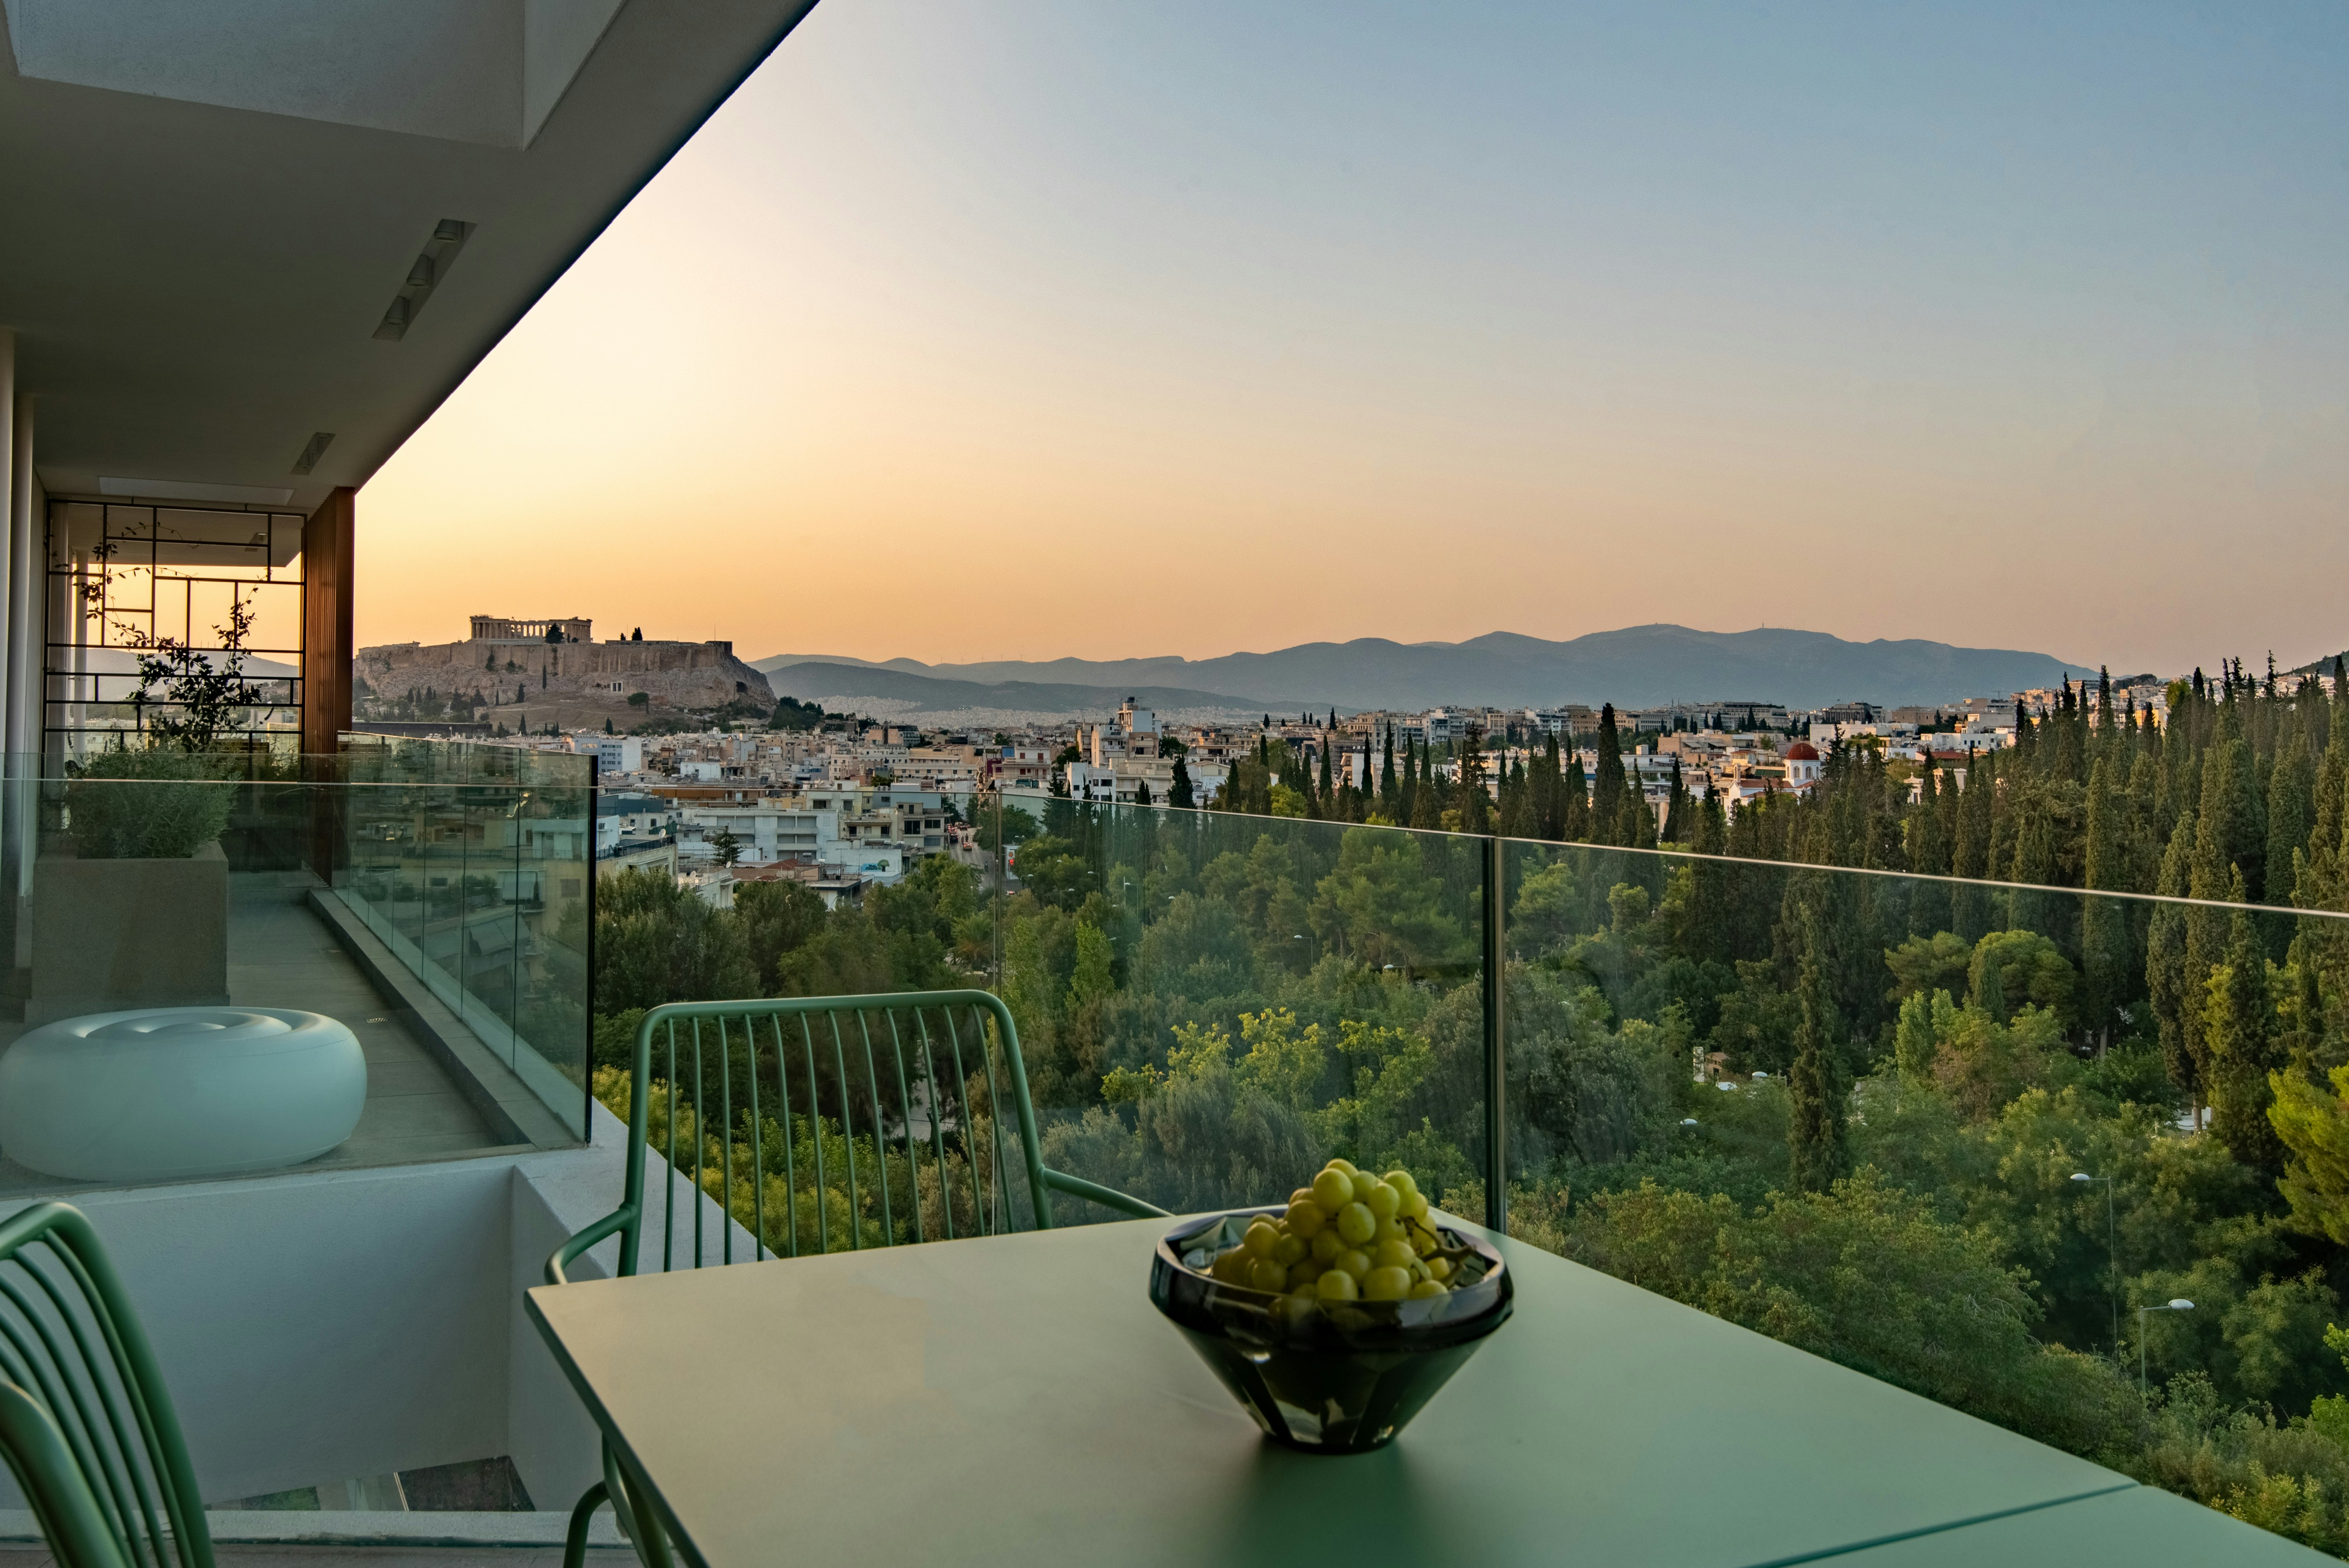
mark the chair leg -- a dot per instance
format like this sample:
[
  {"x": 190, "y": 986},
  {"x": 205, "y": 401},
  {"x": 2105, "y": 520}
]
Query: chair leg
[
  {"x": 574, "y": 1541},
  {"x": 632, "y": 1514},
  {"x": 650, "y": 1540}
]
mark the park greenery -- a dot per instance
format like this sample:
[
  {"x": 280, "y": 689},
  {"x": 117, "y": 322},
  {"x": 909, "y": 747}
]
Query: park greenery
[{"x": 1936, "y": 997}]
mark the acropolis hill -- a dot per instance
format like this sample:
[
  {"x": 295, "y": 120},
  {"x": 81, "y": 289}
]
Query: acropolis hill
[{"x": 515, "y": 674}]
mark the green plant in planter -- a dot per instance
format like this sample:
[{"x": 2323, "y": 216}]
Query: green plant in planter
[{"x": 146, "y": 805}]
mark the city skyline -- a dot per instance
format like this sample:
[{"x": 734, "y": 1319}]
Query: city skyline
[{"x": 1179, "y": 336}]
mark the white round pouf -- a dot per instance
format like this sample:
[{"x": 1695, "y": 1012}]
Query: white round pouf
[{"x": 168, "y": 1093}]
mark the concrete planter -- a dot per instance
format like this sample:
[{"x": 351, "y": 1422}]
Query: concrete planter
[{"x": 114, "y": 934}]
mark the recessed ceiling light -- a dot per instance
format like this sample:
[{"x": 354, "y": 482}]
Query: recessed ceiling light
[
  {"x": 424, "y": 274},
  {"x": 315, "y": 450}
]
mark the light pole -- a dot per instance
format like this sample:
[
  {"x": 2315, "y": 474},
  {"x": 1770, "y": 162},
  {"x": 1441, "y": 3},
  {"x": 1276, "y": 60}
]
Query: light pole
[
  {"x": 2177, "y": 1304},
  {"x": 2112, "y": 1254}
]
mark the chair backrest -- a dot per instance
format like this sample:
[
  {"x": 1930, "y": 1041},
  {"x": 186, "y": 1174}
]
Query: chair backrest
[
  {"x": 831, "y": 1123},
  {"x": 85, "y": 1421}
]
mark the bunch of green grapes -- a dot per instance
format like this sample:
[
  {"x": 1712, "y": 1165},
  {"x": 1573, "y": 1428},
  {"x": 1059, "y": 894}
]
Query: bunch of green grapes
[{"x": 1350, "y": 1236}]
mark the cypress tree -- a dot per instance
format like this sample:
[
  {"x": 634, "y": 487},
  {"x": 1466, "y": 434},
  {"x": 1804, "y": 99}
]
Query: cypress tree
[
  {"x": 1427, "y": 800},
  {"x": 2239, "y": 1028},
  {"x": 2068, "y": 754},
  {"x": 1927, "y": 852},
  {"x": 1607, "y": 788},
  {"x": 1638, "y": 828},
  {"x": 1476, "y": 803},
  {"x": 1574, "y": 814},
  {"x": 1816, "y": 1133},
  {"x": 1178, "y": 794},
  {"x": 1549, "y": 793},
  {"x": 1970, "y": 846},
  {"x": 1517, "y": 820},
  {"x": 2227, "y": 835},
  {"x": 1390, "y": 801},
  {"x": 1946, "y": 810},
  {"x": 1711, "y": 827},
  {"x": 2291, "y": 815},
  {"x": 2317, "y": 882},
  {"x": 2146, "y": 829},
  {"x": 2014, "y": 773},
  {"x": 1677, "y": 826},
  {"x": 2107, "y": 949},
  {"x": 2165, "y": 978}
]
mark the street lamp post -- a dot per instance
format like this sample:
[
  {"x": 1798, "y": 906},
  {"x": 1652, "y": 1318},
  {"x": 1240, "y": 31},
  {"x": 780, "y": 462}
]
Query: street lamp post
[
  {"x": 2112, "y": 1254},
  {"x": 2175, "y": 1303}
]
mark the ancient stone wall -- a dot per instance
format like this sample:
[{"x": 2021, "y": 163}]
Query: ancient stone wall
[{"x": 675, "y": 674}]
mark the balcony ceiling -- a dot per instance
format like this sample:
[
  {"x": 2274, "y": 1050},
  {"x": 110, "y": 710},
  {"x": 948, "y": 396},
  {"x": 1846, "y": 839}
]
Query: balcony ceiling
[{"x": 206, "y": 212}]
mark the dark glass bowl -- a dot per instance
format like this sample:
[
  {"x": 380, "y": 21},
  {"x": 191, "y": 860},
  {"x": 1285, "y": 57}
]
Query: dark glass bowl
[{"x": 1325, "y": 1377}]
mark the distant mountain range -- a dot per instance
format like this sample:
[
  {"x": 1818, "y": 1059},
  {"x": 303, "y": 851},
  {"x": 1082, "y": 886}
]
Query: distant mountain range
[
  {"x": 819, "y": 680},
  {"x": 1638, "y": 666}
]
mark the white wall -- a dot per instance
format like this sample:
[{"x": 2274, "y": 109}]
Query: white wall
[
  {"x": 328, "y": 1325},
  {"x": 324, "y": 1325}
]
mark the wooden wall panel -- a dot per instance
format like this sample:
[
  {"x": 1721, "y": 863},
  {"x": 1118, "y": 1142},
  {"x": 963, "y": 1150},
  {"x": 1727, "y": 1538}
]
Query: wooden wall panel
[{"x": 327, "y": 651}]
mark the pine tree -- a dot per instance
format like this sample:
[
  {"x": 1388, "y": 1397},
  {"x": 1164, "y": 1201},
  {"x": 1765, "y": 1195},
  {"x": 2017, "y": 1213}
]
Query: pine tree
[{"x": 1817, "y": 1087}]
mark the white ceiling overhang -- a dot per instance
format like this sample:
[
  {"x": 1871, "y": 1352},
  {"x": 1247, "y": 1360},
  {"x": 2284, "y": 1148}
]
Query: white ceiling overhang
[{"x": 229, "y": 230}]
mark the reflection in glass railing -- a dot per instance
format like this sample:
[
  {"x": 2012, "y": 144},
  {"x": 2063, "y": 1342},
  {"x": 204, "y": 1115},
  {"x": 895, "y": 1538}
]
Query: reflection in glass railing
[
  {"x": 176, "y": 913},
  {"x": 1970, "y": 1138},
  {"x": 473, "y": 865},
  {"x": 1211, "y": 1006}
]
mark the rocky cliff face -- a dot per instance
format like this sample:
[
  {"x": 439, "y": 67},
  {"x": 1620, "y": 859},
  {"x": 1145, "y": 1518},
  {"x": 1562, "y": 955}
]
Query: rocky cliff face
[{"x": 560, "y": 680}]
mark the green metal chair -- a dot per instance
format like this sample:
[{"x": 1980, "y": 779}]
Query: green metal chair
[
  {"x": 915, "y": 1108},
  {"x": 86, "y": 1424}
]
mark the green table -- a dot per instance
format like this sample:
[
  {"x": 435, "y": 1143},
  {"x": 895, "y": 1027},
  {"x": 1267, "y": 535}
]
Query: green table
[{"x": 1019, "y": 1401}]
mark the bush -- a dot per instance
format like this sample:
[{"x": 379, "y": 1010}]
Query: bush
[{"x": 146, "y": 805}]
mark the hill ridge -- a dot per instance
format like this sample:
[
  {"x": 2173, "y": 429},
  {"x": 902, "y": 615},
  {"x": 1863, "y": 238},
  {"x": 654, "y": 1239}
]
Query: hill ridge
[{"x": 1633, "y": 666}]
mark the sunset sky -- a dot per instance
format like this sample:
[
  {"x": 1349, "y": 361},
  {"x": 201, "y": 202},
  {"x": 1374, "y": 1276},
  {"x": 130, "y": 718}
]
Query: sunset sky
[{"x": 1027, "y": 329}]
